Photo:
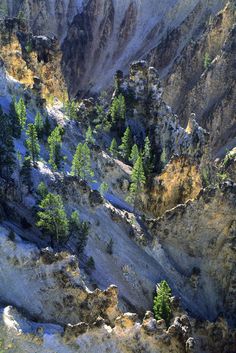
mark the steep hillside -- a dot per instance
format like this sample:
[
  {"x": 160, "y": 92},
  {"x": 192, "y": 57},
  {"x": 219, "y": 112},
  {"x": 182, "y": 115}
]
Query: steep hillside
[{"x": 117, "y": 221}]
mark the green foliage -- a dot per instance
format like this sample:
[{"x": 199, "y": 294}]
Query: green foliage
[
  {"x": 207, "y": 61},
  {"x": 54, "y": 144},
  {"x": 25, "y": 172},
  {"x": 101, "y": 120},
  {"x": 7, "y": 151},
  {"x": 13, "y": 119},
  {"x": 134, "y": 154},
  {"x": 52, "y": 217},
  {"x": 47, "y": 127},
  {"x": 71, "y": 109},
  {"x": 147, "y": 158},
  {"x": 81, "y": 164},
  {"x": 42, "y": 190},
  {"x": 89, "y": 136},
  {"x": 32, "y": 143},
  {"x": 80, "y": 229},
  {"x": 161, "y": 303},
  {"x": 138, "y": 181},
  {"x": 113, "y": 148},
  {"x": 21, "y": 112},
  {"x": 118, "y": 109},
  {"x": 103, "y": 188},
  {"x": 39, "y": 126},
  {"x": 126, "y": 144}
]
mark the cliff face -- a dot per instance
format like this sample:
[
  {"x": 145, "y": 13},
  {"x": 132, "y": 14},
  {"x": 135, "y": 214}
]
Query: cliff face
[
  {"x": 191, "y": 85},
  {"x": 99, "y": 37},
  {"x": 199, "y": 238}
]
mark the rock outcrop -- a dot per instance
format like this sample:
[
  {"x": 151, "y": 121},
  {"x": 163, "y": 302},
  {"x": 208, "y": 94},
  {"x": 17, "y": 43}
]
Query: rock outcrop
[
  {"x": 34, "y": 61},
  {"x": 199, "y": 239}
]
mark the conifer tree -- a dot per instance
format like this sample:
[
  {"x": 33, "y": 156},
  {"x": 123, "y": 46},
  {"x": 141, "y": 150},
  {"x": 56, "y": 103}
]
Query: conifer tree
[
  {"x": 80, "y": 229},
  {"x": 134, "y": 154},
  {"x": 118, "y": 109},
  {"x": 21, "y": 112},
  {"x": 26, "y": 172},
  {"x": 147, "y": 159},
  {"x": 126, "y": 144},
  {"x": 39, "y": 126},
  {"x": 46, "y": 127},
  {"x": 42, "y": 190},
  {"x": 32, "y": 143},
  {"x": 89, "y": 136},
  {"x": 14, "y": 121},
  {"x": 113, "y": 148},
  {"x": 161, "y": 304},
  {"x": 81, "y": 164},
  {"x": 7, "y": 150},
  {"x": 52, "y": 218},
  {"x": 54, "y": 143},
  {"x": 138, "y": 181}
]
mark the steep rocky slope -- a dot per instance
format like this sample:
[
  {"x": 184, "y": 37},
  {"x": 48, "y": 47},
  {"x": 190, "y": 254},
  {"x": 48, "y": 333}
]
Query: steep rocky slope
[{"x": 57, "y": 298}]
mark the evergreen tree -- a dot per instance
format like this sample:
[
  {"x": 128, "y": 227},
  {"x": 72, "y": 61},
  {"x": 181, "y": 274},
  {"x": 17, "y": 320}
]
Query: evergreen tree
[
  {"x": 80, "y": 230},
  {"x": 46, "y": 127},
  {"x": 147, "y": 163},
  {"x": 14, "y": 121},
  {"x": 32, "y": 143},
  {"x": 89, "y": 136},
  {"x": 54, "y": 143},
  {"x": 7, "y": 151},
  {"x": 81, "y": 164},
  {"x": 101, "y": 120},
  {"x": 52, "y": 217},
  {"x": 113, "y": 148},
  {"x": 138, "y": 181},
  {"x": 118, "y": 109},
  {"x": 21, "y": 112},
  {"x": 134, "y": 154},
  {"x": 42, "y": 190},
  {"x": 126, "y": 144},
  {"x": 39, "y": 126},
  {"x": 26, "y": 171},
  {"x": 71, "y": 109},
  {"x": 161, "y": 304}
]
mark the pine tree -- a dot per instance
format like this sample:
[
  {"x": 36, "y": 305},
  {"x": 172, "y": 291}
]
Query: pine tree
[
  {"x": 14, "y": 121},
  {"x": 42, "y": 190},
  {"x": 81, "y": 164},
  {"x": 126, "y": 144},
  {"x": 80, "y": 230},
  {"x": 21, "y": 112},
  {"x": 7, "y": 150},
  {"x": 39, "y": 126},
  {"x": 54, "y": 143},
  {"x": 101, "y": 120},
  {"x": 46, "y": 127},
  {"x": 138, "y": 181},
  {"x": 89, "y": 136},
  {"x": 161, "y": 304},
  {"x": 134, "y": 154},
  {"x": 25, "y": 172},
  {"x": 32, "y": 143},
  {"x": 52, "y": 217},
  {"x": 118, "y": 109},
  {"x": 113, "y": 148},
  {"x": 147, "y": 163}
]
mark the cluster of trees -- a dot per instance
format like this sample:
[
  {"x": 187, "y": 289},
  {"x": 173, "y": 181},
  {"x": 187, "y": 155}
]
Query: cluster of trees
[
  {"x": 161, "y": 303},
  {"x": 141, "y": 160},
  {"x": 53, "y": 220}
]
